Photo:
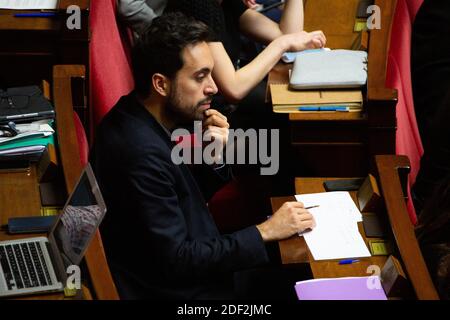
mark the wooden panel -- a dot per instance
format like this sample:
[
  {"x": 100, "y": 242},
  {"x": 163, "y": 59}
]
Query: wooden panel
[
  {"x": 339, "y": 23},
  {"x": 328, "y": 116},
  {"x": 379, "y": 41},
  {"x": 9, "y": 22},
  {"x": 330, "y": 132},
  {"x": 331, "y": 159},
  {"x": 19, "y": 194}
]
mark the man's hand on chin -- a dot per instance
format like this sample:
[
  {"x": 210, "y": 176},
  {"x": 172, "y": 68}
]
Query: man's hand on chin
[{"x": 215, "y": 128}]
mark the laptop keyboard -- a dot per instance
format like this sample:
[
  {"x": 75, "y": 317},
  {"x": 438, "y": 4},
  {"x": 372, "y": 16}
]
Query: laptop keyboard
[{"x": 24, "y": 265}]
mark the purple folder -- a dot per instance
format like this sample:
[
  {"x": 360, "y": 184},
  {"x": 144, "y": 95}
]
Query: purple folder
[{"x": 351, "y": 288}]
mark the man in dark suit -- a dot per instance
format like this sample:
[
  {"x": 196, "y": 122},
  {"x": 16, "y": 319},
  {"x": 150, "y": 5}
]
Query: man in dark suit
[{"x": 159, "y": 237}]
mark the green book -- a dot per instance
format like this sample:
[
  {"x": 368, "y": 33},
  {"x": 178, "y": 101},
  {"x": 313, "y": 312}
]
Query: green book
[{"x": 39, "y": 141}]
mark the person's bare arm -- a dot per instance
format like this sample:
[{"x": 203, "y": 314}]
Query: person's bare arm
[
  {"x": 261, "y": 29},
  {"x": 135, "y": 13},
  {"x": 258, "y": 27},
  {"x": 235, "y": 85},
  {"x": 292, "y": 19}
]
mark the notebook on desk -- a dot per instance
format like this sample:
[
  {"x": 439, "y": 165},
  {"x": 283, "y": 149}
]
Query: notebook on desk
[
  {"x": 38, "y": 265},
  {"x": 24, "y": 104},
  {"x": 285, "y": 100}
]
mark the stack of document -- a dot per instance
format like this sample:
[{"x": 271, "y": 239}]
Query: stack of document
[
  {"x": 285, "y": 100},
  {"x": 29, "y": 143},
  {"x": 28, "y": 4},
  {"x": 336, "y": 235}
]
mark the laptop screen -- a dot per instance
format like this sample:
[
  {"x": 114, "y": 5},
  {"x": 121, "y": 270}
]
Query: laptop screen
[{"x": 80, "y": 219}]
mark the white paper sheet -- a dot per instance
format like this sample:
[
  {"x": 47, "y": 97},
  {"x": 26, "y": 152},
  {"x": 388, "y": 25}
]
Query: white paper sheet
[
  {"x": 336, "y": 235},
  {"x": 28, "y": 4}
]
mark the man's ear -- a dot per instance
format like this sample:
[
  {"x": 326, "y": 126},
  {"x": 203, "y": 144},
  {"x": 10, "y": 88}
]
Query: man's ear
[{"x": 161, "y": 84}]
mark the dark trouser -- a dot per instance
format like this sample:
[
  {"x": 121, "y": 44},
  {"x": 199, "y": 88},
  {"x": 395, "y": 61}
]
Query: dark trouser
[{"x": 272, "y": 282}]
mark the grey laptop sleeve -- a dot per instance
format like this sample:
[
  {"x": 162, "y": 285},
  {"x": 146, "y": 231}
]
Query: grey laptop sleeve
[{"x": 329, "y": 69}]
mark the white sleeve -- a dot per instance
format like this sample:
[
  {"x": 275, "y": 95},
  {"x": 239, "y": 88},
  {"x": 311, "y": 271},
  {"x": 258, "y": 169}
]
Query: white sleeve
[{"x": 138, "y": 13}]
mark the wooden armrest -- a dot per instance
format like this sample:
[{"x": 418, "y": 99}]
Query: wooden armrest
[
  {"x": 65, "y": 127},
  {"x": 402, "y": 228},
  {"x": 70, "y": 158}
]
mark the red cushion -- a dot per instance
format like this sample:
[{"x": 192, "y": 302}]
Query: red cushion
[
  {"x": 413, "y": 7},
  {"x": 241, "y": 203},
  {"x": 110, "y": 68},
  {"x": 83, "y": 145},
  {"x": 398, "y": 76}
]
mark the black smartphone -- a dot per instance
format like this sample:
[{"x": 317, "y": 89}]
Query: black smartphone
[
  {"x": 343, "y": 184},
  {"x": 39, "y": 224}
]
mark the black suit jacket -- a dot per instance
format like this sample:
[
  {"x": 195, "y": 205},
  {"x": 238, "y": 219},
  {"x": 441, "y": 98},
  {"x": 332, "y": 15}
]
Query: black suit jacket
[{"x": 160, "y": 239}]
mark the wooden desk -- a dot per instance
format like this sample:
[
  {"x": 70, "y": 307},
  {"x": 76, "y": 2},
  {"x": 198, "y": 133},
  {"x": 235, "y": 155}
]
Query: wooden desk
[
  {"x": 342, "y": 144},
  {"x": 20, "y": 194},
  {"x": 30, "y": 47},
  {"x": 389, "y": 171}
]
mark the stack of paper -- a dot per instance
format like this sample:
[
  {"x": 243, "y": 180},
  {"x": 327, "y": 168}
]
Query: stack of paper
[
  {"x": 28, "y": 4},
  {"x": 285, "y": 100},
  {"x": 350, "y": 288},
  {"x": 29, "y": 143},
  {"x": 336, "y": 235}
]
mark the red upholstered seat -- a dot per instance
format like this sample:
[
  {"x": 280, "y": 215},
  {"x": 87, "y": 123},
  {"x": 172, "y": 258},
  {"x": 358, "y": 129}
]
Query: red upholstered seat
[
  {"x": 240, "y": 203},
  {"x": 83, "y": 145},
  {"x": 110, "y": 69},
  {"x": 398, "y": 76}
]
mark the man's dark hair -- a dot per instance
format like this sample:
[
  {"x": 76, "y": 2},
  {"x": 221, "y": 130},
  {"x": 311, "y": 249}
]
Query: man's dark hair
[{"x": 159, "y": 47}]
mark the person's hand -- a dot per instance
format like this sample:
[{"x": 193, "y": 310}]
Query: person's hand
[
  {"x": 215, "y": 127},
  {"x": 290, "y": 219},
  {"x": 303, "y": 40}
]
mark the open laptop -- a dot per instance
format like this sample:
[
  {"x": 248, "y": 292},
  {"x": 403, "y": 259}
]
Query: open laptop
[{"x": 38, "y": 265}]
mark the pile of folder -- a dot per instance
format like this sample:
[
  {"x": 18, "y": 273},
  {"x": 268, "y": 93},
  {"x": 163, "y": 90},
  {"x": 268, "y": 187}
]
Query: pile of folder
[
  {"x": 26, "y": 119},
  {"x": 29, "y": 143},
  {"x": 323, "y": 80},
  {"x": 286, "y": 100}
]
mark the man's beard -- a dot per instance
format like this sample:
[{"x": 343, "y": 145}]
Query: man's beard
[{"x": 184, "y": 115}]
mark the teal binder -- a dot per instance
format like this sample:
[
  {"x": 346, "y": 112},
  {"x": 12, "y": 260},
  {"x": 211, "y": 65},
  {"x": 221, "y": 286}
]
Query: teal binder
[{"x": 40, "y": 141}]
